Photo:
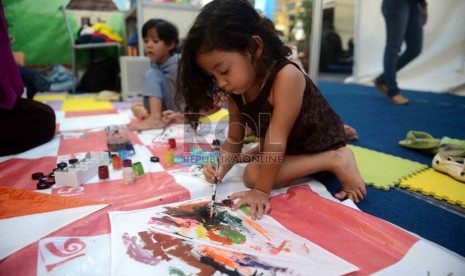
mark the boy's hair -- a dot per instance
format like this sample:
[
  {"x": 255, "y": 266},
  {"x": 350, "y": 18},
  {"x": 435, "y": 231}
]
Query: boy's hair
[
  {"x": 166, "y": 31},
  {"x": 225, "y": 25}
]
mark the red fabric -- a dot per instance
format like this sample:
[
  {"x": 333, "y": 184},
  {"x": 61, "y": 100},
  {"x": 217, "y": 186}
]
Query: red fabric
[
  {"x": 17, "y": 173},
  {"x": 92, "y": 141},
  {"x": 366, "y": 241},
  {"x": 151, "y": 190}
]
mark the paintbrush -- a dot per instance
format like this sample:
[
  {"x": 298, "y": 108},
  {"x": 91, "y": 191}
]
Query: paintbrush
[{"x": 215, "y": 181}]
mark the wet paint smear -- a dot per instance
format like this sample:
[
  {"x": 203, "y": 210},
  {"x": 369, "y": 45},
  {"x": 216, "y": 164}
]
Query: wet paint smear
[
  {"x": 137, "y": 252},
  {"x": 206, "y": 259},
  {"x": 226, "y": 203},
  {"x": 234, "y": 263},
  {"x": 176, "y": 271},
  {"x": 162, "y": 246},
  {"x": 227, "y": 225},
  {"x": 153, "y": 248}
]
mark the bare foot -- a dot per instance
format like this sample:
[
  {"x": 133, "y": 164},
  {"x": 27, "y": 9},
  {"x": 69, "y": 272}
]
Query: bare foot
[
  {"x": 139, "y": 111},
  {"x": 399, "y": 99},
  {"x": 348, "y": 174},
  {"x": 350, "y": 133}
]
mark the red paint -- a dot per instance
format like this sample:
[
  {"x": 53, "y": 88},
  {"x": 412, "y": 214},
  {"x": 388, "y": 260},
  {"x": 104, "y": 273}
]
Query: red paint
[{"x": 366, "y": 241}]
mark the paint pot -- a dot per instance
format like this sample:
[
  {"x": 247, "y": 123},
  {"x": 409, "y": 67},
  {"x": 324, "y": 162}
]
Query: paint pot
[
  {"x": 138, "y": 169},
  {"x": 123, "y": 154},
  {"x": 154, "y": 159},
  {"x": 169, "y": 158},
  {"x": 103, "y": 173},
  {"x": 128, "y": 175},
  {"x": 127, "y": 163},
  {"x": 117, "y": 137},
  {"x": 116, "y": 162},
  {"x": 172, "y": 143},
  {"x": 130, "y": 149}
]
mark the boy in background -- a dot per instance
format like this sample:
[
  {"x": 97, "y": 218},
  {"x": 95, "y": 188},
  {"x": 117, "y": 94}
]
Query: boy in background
[{"x": 160, "y": 45}]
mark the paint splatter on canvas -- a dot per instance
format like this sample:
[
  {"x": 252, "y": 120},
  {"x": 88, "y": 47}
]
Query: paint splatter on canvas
[{"x": 181, "y": 239}]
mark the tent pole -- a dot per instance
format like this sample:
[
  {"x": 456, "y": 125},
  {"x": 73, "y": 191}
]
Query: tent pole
[{"x": 315, "y": 40}]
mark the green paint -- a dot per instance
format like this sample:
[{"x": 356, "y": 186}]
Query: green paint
[
  {"x": 232, "y": 234},
  {"x": 245, "y": 209},
  {"x": 176, "y": 271},
  {"x": 225, "y": 217}
]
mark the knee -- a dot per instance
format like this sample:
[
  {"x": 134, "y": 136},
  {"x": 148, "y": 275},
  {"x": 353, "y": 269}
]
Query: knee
[
  {"x": 47, "y": 123},
  {"x": 414, "y": 51},
  {"x": 250, "y": 175}
]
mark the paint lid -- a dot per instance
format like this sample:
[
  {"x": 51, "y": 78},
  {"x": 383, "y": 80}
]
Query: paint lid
[
  {"x": 73, "y": 161},
  {"x": 42, "y": 186},
  {"x": 62, "y": 165},
  {"x": 37, "y": 175}
]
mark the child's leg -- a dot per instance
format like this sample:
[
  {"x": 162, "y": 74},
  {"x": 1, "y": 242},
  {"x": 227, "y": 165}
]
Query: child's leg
[
  {"x": 139, "y": 110},
  {"x": 341, "y": 162},
  {"x": 154, "y": 118}
]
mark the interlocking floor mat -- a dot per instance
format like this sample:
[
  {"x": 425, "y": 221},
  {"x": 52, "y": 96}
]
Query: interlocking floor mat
[
  {"x": 438, "y": 185},
  {"x": 381, "y": 170}
]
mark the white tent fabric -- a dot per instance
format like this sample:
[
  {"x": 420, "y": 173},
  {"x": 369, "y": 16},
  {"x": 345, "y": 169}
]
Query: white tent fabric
[{"x": 441, "y": 65}]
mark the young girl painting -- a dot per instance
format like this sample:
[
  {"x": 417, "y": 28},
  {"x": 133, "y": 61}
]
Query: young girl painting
[{"x": 230, "y": 50}]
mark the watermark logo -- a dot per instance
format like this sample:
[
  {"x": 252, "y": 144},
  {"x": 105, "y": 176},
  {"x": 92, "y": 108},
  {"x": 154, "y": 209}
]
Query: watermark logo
[{"x": 202, "y": 135}]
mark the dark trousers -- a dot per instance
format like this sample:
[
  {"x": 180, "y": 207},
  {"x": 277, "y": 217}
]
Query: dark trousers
[
  {"x": 404, "y": 23},
  {"x": 29, "y": 124}
]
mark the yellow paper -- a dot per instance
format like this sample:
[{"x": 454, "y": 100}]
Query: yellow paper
[
  {"x": 85, "y": 104},
  {"x": 50, "y": 97},
  {"x": 221, "y": 115}
]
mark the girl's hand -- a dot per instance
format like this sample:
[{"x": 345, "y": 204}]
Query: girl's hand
[
  {"x": 170, "y": 116},
  {"x": 258, "y": 202},
  {"x": 209, "y": 172}
]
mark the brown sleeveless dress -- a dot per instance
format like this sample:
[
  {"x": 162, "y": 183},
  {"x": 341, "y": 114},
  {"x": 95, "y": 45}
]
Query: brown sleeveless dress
[{"x": 317, "y": 128}]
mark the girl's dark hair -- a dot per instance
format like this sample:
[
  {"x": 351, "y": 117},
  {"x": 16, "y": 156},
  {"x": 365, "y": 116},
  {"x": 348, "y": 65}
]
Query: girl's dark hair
[
  {"x": 225, "y": 25},
  {"x": 166, "y": 31}
]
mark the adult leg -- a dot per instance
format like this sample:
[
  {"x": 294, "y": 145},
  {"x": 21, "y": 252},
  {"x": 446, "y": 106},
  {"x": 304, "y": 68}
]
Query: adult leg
[
  {"x": 29, "y": 124},
  {"x": 341, "y": 162},
  {"x": 413, "y": 36},
  {"x": 396, "y": 13}
]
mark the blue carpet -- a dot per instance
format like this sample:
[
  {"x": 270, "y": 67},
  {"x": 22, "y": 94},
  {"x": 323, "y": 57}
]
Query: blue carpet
[{"x": 380, "y": 126}]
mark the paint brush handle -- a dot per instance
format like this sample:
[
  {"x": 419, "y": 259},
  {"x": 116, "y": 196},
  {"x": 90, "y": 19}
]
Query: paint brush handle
[{"x": 215, "y": 182}]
